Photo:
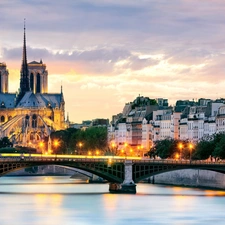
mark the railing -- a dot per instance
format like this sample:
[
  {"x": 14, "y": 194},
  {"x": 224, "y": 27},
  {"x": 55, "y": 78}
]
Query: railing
[
  {"x": 13, "y": 157},
  {"x": 46, "y": 157},
  {"x": 187, "y": 162}
]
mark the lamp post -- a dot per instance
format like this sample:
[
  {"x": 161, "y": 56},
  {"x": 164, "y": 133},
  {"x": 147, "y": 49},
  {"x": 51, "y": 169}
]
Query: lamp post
[
  {"x": 41, "y": 145},
  {"x": 125, "y": 146},
  {"x": 113, "y": 145},
  {"x": 80, "y": 146},
  {"x": 180, "y": 147},
  {"x": 131, "y": 151},
  {"x": 190, "y": 147},
  {"x": 56, "y": 144},
  {"x": 142, "y": 149}
]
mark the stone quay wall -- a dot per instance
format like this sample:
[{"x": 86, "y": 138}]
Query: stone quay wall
[{"x": 190, "y": 177}]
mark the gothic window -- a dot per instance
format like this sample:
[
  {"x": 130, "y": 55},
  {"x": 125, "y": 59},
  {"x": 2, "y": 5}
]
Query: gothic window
[
  {"x": 26, "y": 121},
  {"x": 32, "y": 82},
  {"x": 2, "y": 119},
  {"x": 31, "y": 136},
  {"x": 34, "y": 121},
  {"x": 38, "y": 87}
]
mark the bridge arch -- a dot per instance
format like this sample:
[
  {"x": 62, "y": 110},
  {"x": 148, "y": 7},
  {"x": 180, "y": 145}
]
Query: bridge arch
[
  {"x": 114, "y": 173},
  {"x": 141, "y": 172}
]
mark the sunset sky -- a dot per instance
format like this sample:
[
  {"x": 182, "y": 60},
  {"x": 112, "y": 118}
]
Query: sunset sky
[{"x": 107, "y": 52}]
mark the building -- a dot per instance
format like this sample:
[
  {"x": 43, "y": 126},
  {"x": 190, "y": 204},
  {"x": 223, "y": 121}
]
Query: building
[
  {"x": 29, "y": 116},
  {"x": 143, "y": 122}
]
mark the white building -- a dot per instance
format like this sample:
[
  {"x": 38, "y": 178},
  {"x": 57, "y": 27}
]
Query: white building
[{"x": 220, "y": 119}]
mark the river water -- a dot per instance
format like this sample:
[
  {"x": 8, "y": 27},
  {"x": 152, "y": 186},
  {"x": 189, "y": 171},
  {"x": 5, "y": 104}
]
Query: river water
[{"x": 41, "y": 200}]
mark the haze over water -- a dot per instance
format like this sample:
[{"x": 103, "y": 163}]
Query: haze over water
[{"x": 61, "y": 200}]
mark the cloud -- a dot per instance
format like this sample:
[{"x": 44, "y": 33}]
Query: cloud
[{"x": 108, "y": 52}]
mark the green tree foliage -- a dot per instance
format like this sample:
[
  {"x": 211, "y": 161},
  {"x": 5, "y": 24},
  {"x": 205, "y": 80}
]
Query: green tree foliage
[
  {"x": 69, "y": 140},
  {"x": 65, "y": 140},
  {"x": 92, "y": 138},
  {"x": 164, "y": 149},
  {"x": 219, "y": 151},
  {"x": 5, "y": 142},
  {"x": 203, "y": 150},
  {"x": 211, "y": 146}
]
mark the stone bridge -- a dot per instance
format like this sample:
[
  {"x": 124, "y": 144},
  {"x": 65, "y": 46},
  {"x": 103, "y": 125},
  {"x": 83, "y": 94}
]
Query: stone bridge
[{"x": 121, "y": 173}]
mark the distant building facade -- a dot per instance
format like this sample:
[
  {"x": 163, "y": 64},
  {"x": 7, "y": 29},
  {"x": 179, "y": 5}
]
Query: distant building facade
[{"x": 142, "y": 124}]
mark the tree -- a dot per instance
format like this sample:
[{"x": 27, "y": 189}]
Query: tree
[
  {"x": 203, "y": 150},
  {"x": 211, "y": 146},
  {"x": 74, "y": 141},
  {"x": 164, "y": 148},
  {"x": 5, "y": 142},
  {"x": 219, "y": 151},
  {"x": 65, "y": 141}
]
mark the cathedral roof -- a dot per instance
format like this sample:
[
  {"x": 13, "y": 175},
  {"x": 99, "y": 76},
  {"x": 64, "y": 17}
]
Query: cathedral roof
[
  {"x": 38, "y": 100},
  {"x": 7, "y": 100},
  {"x": 34, "y": 62}
]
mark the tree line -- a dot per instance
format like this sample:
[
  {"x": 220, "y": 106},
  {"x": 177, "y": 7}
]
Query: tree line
[
  {"x": 78, "y": 141},
  {"x": 207, "y": 148},
  {"x": 70, "y": 141}
]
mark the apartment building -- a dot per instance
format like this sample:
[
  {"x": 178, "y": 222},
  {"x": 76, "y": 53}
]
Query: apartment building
[{"x": 142, "y": 124}]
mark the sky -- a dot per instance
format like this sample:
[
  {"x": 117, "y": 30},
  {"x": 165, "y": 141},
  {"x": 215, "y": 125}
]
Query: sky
[{"x": 105, "y": 53}]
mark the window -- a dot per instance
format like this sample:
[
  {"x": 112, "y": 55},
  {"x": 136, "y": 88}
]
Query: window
[
  {"x": 2, "y": 119},
  {"x": 32, "y": 81},
  {"x": 38, "y": 85},
  {"x": 34, "y": 121}
]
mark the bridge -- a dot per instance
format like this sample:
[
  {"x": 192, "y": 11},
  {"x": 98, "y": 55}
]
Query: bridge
[{"x": 122, "y": 173}]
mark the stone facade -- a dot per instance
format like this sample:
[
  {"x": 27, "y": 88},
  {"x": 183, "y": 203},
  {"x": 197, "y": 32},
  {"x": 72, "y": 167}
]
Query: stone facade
[{"x": 29, "y": 116}]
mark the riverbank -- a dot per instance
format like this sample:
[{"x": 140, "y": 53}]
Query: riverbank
[{"x": 190, "y": 178}]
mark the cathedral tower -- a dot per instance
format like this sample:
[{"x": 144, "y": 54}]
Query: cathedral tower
[
  {"x": 3, "y": 78},
  {"x": 38, "y": 77}
]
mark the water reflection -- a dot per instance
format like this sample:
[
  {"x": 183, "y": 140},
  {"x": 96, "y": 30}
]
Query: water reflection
[{"x": 61, "y": 200}]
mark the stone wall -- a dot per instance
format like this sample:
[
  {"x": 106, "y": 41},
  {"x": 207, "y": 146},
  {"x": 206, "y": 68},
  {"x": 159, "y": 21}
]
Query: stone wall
[{"x": 190, "y": 177}]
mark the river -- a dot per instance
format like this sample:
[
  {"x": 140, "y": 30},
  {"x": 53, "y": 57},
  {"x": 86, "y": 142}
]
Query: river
[{"x": 52, "y": 200}]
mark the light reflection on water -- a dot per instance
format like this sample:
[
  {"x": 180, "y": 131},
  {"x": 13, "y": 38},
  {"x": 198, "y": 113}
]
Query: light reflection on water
[{"x": 61, "y": 200}]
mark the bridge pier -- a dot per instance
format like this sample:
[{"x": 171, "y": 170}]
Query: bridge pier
[{"x": 128, "y": 186}]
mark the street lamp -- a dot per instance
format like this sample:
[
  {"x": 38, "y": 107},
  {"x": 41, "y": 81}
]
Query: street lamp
[
  {"x": 41, "y": 145},
  {"x": 142, "y": 149},
  {"x": 125, "y": 146},
  {"x": 180, "y": 147},
  {"x": 131, "y": 151},
  {"x": 55, "y": 144},
  {"x": 190, "y": 147},
  {"x": 80, "y": 146},
  {"x": 122, "y": 152}
]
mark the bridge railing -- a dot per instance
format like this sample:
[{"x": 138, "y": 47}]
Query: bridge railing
[
  {"x": 15, "y": 157},
  {"x": 172, "y": 161},
  {"x": 57, "y": 158}
]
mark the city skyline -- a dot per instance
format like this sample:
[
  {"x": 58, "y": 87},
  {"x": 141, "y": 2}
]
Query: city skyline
[{"x": 106, "y": 53}]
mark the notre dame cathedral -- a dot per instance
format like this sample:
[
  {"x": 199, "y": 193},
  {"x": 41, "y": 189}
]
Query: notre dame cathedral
[{"x": 29, "y": 116}]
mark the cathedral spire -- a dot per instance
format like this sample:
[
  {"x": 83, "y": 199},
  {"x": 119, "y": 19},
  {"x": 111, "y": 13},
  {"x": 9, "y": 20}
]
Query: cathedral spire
[{"x": 24, "y": 74}]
